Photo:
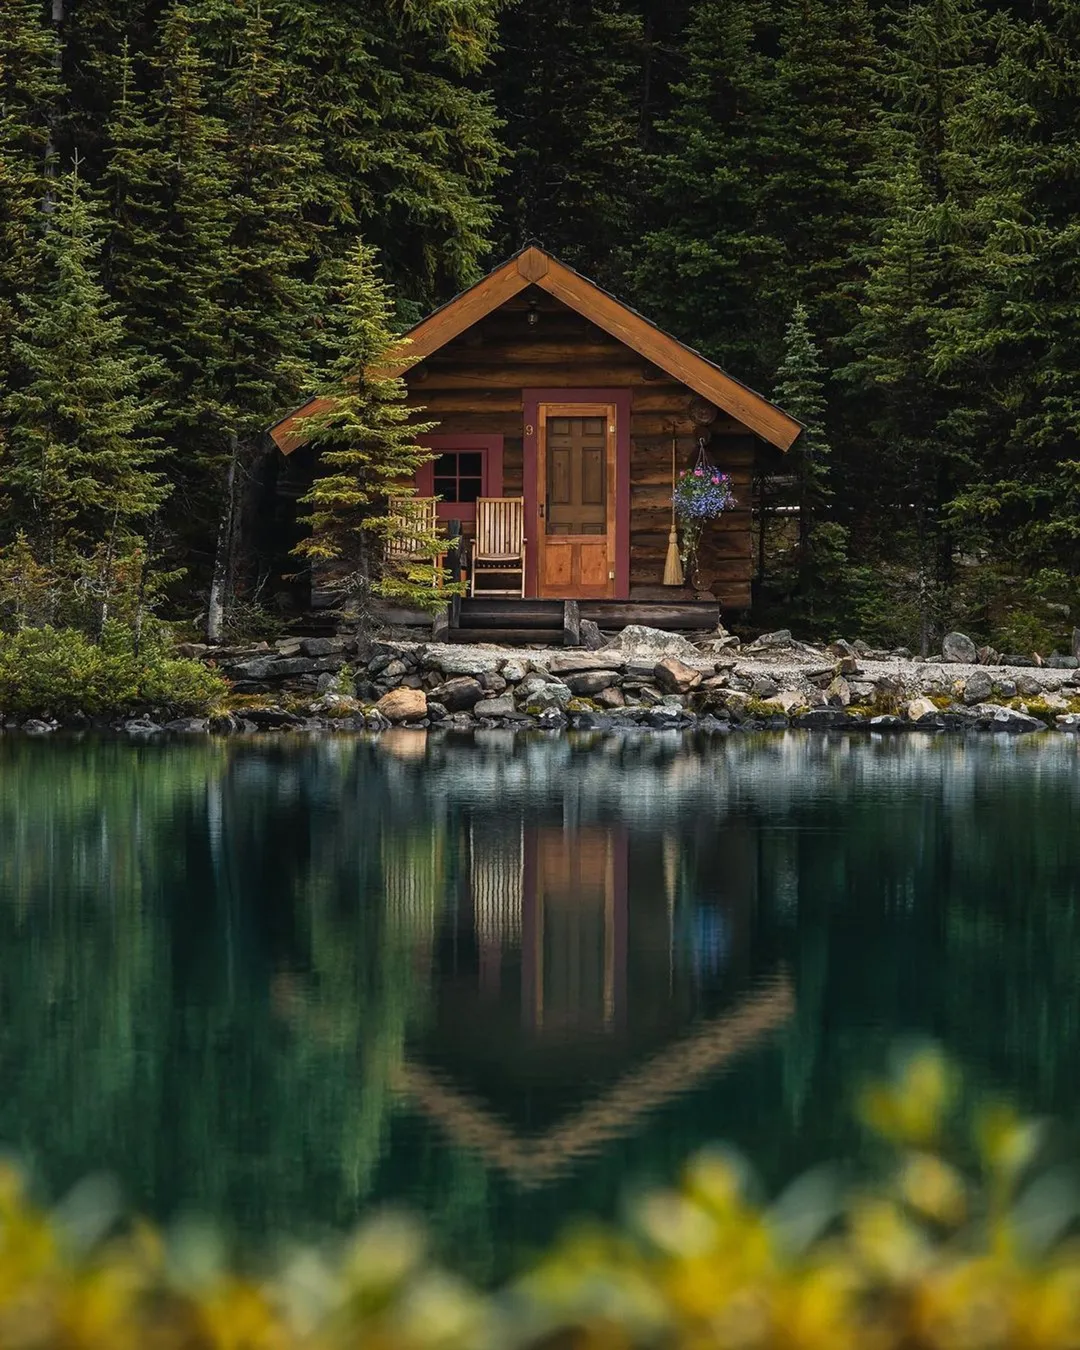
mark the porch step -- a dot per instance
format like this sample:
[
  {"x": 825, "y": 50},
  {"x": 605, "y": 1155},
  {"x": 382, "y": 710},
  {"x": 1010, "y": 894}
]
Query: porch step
[
  {"x": 511, "y": 613},
  {"x": 508, "y": 637}
]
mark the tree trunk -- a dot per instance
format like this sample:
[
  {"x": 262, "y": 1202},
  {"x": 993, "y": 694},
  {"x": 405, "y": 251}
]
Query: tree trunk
[{"x": 223, "y": 555}]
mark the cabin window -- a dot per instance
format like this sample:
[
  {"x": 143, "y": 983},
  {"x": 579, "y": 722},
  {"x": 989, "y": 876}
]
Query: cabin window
[{"x": 465, "y": 468}]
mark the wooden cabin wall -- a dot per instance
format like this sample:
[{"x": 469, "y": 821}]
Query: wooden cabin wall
[{"x": 475, "y": 383}]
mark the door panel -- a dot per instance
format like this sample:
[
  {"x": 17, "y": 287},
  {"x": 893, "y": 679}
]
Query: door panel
[{"x": 575, "y": 526}]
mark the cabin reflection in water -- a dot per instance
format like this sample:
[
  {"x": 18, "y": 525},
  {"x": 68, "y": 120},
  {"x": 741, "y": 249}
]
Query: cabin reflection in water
[{"x": 582, "y": 978}]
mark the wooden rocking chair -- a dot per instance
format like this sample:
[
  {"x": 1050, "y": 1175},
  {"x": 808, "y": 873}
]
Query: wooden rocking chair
[
  {"x": 499, "y": 544},
  {"x": 418, "y": 521}
]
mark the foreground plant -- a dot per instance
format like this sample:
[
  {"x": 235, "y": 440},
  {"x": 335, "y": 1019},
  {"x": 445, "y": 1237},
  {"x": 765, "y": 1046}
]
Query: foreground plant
[{"x": 963, "y": 1242}]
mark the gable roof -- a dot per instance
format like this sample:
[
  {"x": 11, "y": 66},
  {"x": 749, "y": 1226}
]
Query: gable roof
[{"x": 535, "y": 267}]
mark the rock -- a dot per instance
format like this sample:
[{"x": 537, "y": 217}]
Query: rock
[
  {"x": 977, "y": 688},
  {"x": 1004, "y": 688},
  {"x": 611, "y": 698},
  {"x": 1014, "y": 659},
  {"x": 513, "y": 672},
  {"x": 270, "y": 718},
  {"x": 590, "y": 682},
  {"x": 996, "y": 718},
  {"x": 565, "y": 663},
  {"x": 821, "y": 717},
  {"x": 375, "y": 721},
  {"x": 838, "y": 694},
  {"x": 141, "y": 726},
  {"x": 921, "y": 710},
  {"x": 1028, "y": 686},
  {"x": 222, "y": 724},
  {"x": 764, "y": 687},
  {"x": 551, "y": 719},
  {"x": 781, "y": 638},
  {"x": 674, "y": 677},
  {"x": 887, "y": 722},
  {"x": 459, "y": 694},
  {"x": 402, "y": 705},
  {"x": 301, "y": 665},
  {"x": 259, "y": 669},
  {"x": 989, "y": 657},
  {"x": 643, "y": 642},
  {"x": 186, "y": 726},
  {"x": 491, "y": 680},
  {"x": 1076, "y": 643},
  {"x": 192, "y": 650},
  {"x": 335, "y": 706},
  {"x": 437, "y": 712},
  {"x": 462, "y": 660},
  {"x": 545, "y": 696},
  {"x": 1068, "y": 722},
  {"x": 395, "y": 670},
  {"x": 1056, "y": 662},
  {"x": 734, "y": 703},
  {"x": 861, "y": 648},
  {"x": 501, "y": 706},
  {"x": 665, "y": 717},
  {"x": 847, "y": 665},
  {"x": 288, "y": 647},
  {"x": 840, "y": 647},
  {"x": 788, "y": 702},
  {"x": 591, "y": 637},
  {"x": 323, "y": 646},
  {"x": 34, "y": 726},
  {"x": 957, "y": 647}
]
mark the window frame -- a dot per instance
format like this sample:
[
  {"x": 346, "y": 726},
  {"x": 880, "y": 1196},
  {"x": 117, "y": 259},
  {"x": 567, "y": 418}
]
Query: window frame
[{"x": 490, "y": 449}]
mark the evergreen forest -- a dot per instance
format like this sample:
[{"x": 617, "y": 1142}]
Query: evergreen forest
[{"x": 867, "y": 209}]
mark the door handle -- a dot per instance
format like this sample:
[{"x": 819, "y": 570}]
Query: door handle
[{"x": 541, "y": 510}]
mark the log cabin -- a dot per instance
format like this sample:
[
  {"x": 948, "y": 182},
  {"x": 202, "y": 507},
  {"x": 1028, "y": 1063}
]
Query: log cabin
[{"x": 549, "y": 390}]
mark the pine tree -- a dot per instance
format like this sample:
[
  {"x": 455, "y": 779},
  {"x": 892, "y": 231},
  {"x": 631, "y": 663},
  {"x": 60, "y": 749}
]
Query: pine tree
[
  {"x": 29, "y": 90},
  {"x": 77, "y": 467},
  {"x": 368, "y": 453},
  {"x": 569, "y": 87},
  {"x": 702, "y": 265},
  {"x": 800, "y": 391}
]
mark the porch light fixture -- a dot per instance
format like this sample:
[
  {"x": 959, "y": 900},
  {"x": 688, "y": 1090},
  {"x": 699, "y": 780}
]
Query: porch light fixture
[{"x": 532, "y": 315}]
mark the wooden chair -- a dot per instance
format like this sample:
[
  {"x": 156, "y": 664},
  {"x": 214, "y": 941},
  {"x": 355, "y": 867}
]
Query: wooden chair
[
  {"x": 418, "y": 521},
  {"x": 499, "y": 544}
]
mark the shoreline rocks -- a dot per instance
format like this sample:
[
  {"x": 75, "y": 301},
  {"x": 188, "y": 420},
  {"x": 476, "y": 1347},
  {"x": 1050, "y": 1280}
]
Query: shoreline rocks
[{"x": 645, "y": 679}]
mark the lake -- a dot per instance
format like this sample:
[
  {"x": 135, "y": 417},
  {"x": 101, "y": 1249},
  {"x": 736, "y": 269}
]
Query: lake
[{"x": 500, "y": 979}]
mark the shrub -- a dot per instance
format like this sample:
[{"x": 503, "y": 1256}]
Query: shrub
[
  {"x": 63, "y": 672},
  {"x": 962, "y": 1242}
]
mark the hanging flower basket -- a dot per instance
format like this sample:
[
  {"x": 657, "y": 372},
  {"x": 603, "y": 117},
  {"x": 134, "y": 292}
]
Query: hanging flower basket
[{"x": 701, "y": 494}]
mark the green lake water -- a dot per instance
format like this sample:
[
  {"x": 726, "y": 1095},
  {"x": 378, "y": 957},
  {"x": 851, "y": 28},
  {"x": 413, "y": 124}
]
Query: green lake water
[{"x": 280, "y": 981}]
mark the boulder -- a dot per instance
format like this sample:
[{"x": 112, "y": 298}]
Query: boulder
[
  {"x": 1004, "y": 688},
  {"x": 674, "y": 677},
  {"x": 192, "y": 650},
  {"x": 513, "y": 672},
  {"x": 590, "y": 635},
  {"x": 323, "y": 646},
  {"x": 565, "y": 663},
  {"x": 186, "y": 726},
  {"x": 989, "y": 656},
  {"x": 458, "y": 694},
  {"x": 492, "y": 681},
  {"x": 838, "y": 694},
  {"x": 543, "y": 696},
  {"x": 289, "y": 647},
  {"x": 841, "y": 647},
  {"x": 781, "y": 638},
  {"x": 887, "y": 722},
  {"x": 436, "y": 712},
  {"x": 765, "y": 687},
  {"x": 821, "y": 717},
  {"x": 642, "y": 642},
  {"x": 996, "y": 718},
  {"x": 259, "y": 669},
  {"x": 921, "y": 710},
  {"x": 977, "y": 688},
  {"x": 462, "y": 660},
  {"x": 502, "y": 706},
  {"x": 589, "y": 682},
  {"x": 402, "y": 705},
  {"x": 551, "y": 719},
  {"x": 959, "y": 648},
  {"x": 141, "y": 726},
  {"x": 1056, "y": 662},
  {"x": 1068, "y": 722},
  {"x": 1028, "y": 686},
  {"x": 666, "y": 717},
  {"x": 788, "y": 701},
  {"x": 610, "y": 698},
  {"x": 272, "y": 718}
]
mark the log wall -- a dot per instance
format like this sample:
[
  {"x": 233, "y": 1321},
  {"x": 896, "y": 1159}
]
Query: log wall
[{"x": 475, "y": 383}]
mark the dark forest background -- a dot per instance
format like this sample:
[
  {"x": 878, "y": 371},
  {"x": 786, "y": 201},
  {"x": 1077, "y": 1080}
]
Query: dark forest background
[{"x": 866, "y": 209}]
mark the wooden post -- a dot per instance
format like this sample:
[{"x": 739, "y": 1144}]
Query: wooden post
[
  {"x": 455, "y": 560},
  {"x": 571, "y": 624}
]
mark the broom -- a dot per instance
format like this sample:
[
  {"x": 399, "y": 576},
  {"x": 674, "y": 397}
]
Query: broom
[{"x": 673, "y": 573}]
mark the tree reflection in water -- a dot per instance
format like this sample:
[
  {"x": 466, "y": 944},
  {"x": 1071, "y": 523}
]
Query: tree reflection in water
[{"x": 279, "y": 980}]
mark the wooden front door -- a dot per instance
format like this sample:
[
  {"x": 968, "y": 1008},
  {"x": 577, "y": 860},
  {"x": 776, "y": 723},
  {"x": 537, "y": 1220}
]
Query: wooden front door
[{"x": 575, "y": 501}]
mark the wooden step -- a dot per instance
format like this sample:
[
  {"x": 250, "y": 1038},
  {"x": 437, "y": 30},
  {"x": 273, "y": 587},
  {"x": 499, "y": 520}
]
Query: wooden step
[{"x": 509, "y": 637}]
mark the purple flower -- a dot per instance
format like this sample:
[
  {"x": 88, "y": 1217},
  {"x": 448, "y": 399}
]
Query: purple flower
[
  {"x": 697, "y": 473},
  {"x": 715, "y": 478}
]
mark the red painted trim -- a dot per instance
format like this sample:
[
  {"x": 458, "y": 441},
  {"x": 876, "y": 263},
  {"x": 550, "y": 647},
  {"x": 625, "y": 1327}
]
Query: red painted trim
[
  {"x": 531, "y": 399},
  {"x": 490, "y": 445}
]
